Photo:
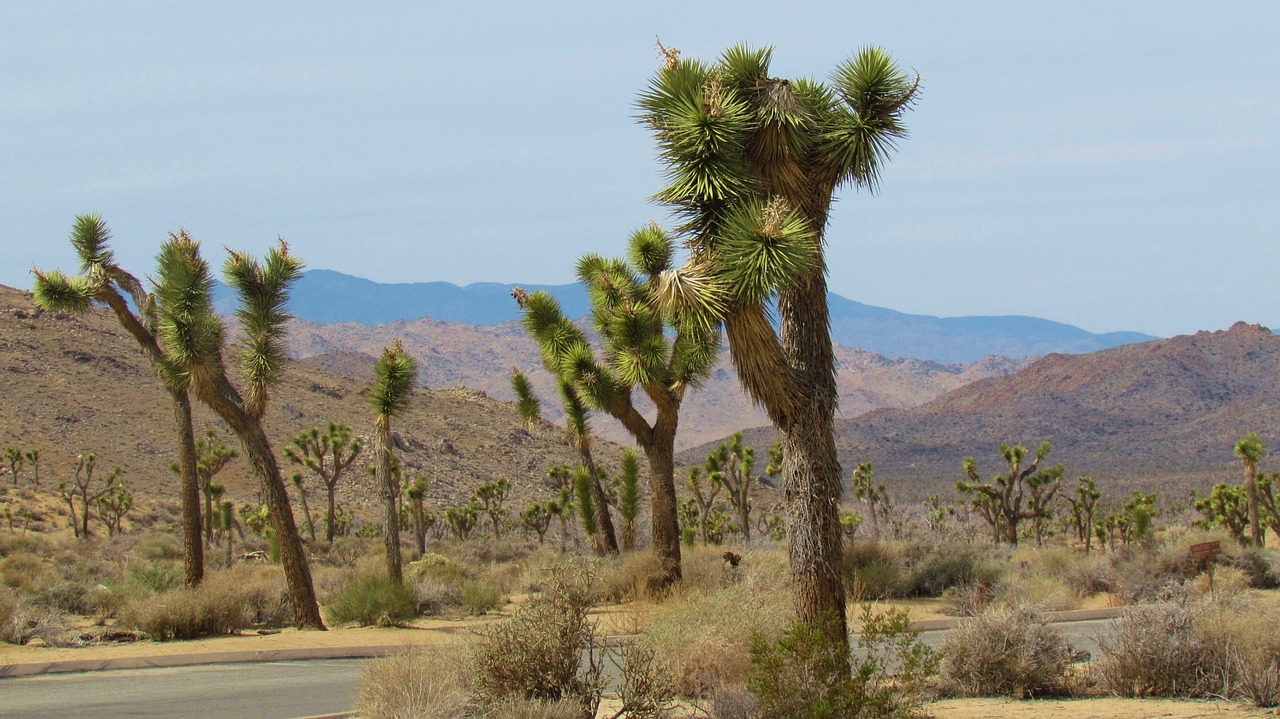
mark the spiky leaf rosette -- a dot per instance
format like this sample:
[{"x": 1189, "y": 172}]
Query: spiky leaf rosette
[
  {"x": 527, "y": 403},
  {"x": 576, "y": 416},
  {"x": 263, "y": 289},
  {"x": 190, "y": 332},
  {"x": 1251, "y": 449},
  {"x": 394, "y": 376},
  {"x": 57, "y": 292},
  {"x": 650, "y": 250},
  {"x": 629, "y": 485},
  {"x": 766, "y": 247},
  {"x": 595, "y": 383},
  {"x": 89, "y": 237},
  {"x": 586, "y": 508}
]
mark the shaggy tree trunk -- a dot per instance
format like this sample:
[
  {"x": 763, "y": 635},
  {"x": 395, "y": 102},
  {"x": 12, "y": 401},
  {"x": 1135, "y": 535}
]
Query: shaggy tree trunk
[
  {"x": 604, "y": 522},
  {"x": 218, "y": 393},
  {"x": 189, "y": 489},
  {"x": 420, "y": 528},
  {"x": 390, "y": 499},
  {"x": 811, "y": 476},
  {"x": 332, "y": 488},
  {"x": 660, "y": 453},
  {"x": 306, "y": 512}
]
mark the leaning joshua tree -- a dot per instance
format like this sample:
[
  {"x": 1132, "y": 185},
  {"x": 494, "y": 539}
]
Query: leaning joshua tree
[
  {"x": 1251, "y": 450},
  {"x": 192, "y": 334},
  {"x": 394, "y": 376},
  {"x": 102, "y": 280},
  {"x": 657, "y": 339},
  {"x": 753, "y": 164}
]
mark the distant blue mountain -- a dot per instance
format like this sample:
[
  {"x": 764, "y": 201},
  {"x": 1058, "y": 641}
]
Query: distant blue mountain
[{"x": 331, "y": 297}]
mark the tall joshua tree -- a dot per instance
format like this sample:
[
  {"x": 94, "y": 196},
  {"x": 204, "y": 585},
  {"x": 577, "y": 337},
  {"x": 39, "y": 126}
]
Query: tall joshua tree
[
  {"x": 394, "y": 377},
  {"x": 657, "y": 325},
  {"x": 103, "y": 281},
  {"x": 1004, "y": 496},
  {"x": 1251, "y": 450},
  {"x": 753, "y": 163},
  {"x": 328, "y": 454},
  {"x": 194, "y": 337}
]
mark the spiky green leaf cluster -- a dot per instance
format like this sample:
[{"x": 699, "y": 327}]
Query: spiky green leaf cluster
[
  {"x": 629, "y": 485},
  {"x": 527, "y": 403},
  {"x": 190, "y": 331},
  {"x": 394, "y": 376},
  {"x": 263, "y": 289},
  {"x": 58, "y": 292}
]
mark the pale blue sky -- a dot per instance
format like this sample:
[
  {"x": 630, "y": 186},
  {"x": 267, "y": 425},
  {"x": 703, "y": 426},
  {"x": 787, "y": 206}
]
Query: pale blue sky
[{"x": 1112, "y": 165}]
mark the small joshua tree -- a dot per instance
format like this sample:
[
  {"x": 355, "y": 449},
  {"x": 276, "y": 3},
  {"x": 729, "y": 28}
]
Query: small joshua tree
[
  {"x": 416, "y": 493},
  {"x": 81, "y": 489},
  {"x": 491, "y": 496},
  {"x": 327, "y": 454},
  {"x": 732, "y": 464},
  {"x": 629, "y": 497},
  {"x": 1083, "y": 505},
  {"x": 394, "y": 377},
  {"x": 14, "y": 458},
  {"x": 212, "y": 456},
  {"x": 875, "y": 496},
  {"x": 114, "y": 504},
  {"x": 537, "y": 518},
  {"x": 704, "y": 498},
  {"x": 1250, "y": 449},
  {"x": 33, "y": 456},
  {"x": 578, "y": 435},
  {"x": 527, "y": 403},
  {"x": 1006, "y": 493}
]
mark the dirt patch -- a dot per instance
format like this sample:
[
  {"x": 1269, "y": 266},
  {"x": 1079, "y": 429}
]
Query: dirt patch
[{"x": 1091, "y": 709}]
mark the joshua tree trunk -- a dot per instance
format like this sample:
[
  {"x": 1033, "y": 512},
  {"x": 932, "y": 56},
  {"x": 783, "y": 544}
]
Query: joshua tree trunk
[
  {"x": 390, "y": 498},
  {"x": 192, "y": 542},
  {"x": 660, "y": 453},
  {"x": 306, "y": 511},
  {"x": 420, "y": 528},
  {"x": 811, "y": 476},
  {"x": 604, "y": 522},
  {"x": 332, "y": 488},
  {"x": 222, "y": 397}
]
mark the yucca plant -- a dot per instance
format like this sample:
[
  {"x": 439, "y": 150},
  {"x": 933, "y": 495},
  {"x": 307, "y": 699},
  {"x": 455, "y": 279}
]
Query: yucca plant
[
  {"x": 656, "y": 322},
  {"x": 1250, "y": 449},
  {"x": 103, "y": 281},
  {"x": 394, "y": 376},
  {"x": 192, "y": 335},
  {"x": 753, "y": 163},
  {"x": 327, "y": 454}
]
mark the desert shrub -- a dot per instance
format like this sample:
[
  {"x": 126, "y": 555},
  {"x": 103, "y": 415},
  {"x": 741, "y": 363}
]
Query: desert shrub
[
  {"x": 512, "y": 708},
  {"x": 1243, "y": 637},
  {"x": 1043, "y": 593},
  {"x": 735, "y": 701},
  {"x": 155, "y": 577},
  {"x": 1005, "y": 652},
  {"x": 66, "y": 596},
  {"x": 630, "y": 577},
  {"x": 24, "y": 571},
  {"x": 217, "y": 606},
  {"x": 20, "y": 543},
  {"x": 946, "y": 565},
  {"x": 419, "y": 683},
  {"x": 646, "y": 687},
  {"x": 1258, "y": 565},
  {"x": 872, "y": 570},
  {"x": 265, "y": 594},
  {"x": 435, "y": 596},
  {"x": 1156, "y": 650},
  {"x": 21, "y": 620},
  {"x": 799, "y": 676},
  {"x": 536, "y": 654},
  {"x": 159, "y": 547},
  {"x": 372, "y": 600},
  {"x": 479, "y": 598}
]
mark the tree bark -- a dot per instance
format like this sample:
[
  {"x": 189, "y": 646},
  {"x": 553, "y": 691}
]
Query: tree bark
[
  {"x": 811, "y": 474},
  {"x": 390, "y": 499},
  {"x": 1251, "y": 493},
  {"x": 604, "y": 521},
  {"x": 332, "y": 488},
  {"x": 660, "y": 453},
  {"x": 306, "y": 512},
  {"x": 217, "y": 392},
  {"x": 189, "y": 489}
]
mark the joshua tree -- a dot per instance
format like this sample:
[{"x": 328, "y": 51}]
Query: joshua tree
[
  {"x": 328, "y": 454},
  {"x": 1225, "y": 507},
  {"x": 1007, "y": 492},
  {"x": 587, "y": 510},
  {"x": 14, "y": 458},
  {"x": 527, "y": 403},
  {"x": 732, "y": 464},
  {"x": 212, "y": 456},
  {"x": 394, "y": 377},
  {"x": 1083, "y": 505},
  {"x": 193, "y": 336},
  {"x": 703, "y": 498},
  {"x": 1251, "y": 450},
  {"x": 114, "y": 504},
  {"x": 416, "y": 492},
  {"x": 578, "y": 435},
  {"x": 537, "y": 518},
  {"x": 296, "y": 478},
  {"x": 654, "y": 342},
  {"x": 81, "y": 488},
  {"x": 629, "y": 497},
  {"x": 491, "y": 496},
  {"x": 875, "y": 496},
  {"x": 33, "y": 456},
  {"x": 753, "y": 164},
  {"x": 102, "y": 280}
]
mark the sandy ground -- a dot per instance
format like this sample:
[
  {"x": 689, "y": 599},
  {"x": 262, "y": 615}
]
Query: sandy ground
[{"x": 1091, "y": 709}]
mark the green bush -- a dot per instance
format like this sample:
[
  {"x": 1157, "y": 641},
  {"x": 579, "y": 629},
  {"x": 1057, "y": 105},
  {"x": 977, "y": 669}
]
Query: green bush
[
  {"x": 373, "y": 600},
  {"x": 157, "y": 578},
  {"x": 1005, "y": 652},
  {"x": 801, "y": 676},
  {"x": 872, "y": 570},
  {"x": 218, "y": 606},
  {"x": 479, "y": 597}
]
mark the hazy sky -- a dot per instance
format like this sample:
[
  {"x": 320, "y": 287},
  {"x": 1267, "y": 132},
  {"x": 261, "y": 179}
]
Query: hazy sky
[{"x": 1112, "y": 165}]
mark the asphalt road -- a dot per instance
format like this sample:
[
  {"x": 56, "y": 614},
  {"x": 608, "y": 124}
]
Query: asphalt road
[{"x": 274, "y": 690}]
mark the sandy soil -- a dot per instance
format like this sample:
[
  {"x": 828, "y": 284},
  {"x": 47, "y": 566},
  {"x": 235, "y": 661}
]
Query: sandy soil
[{"x": 1091, "y": 709}]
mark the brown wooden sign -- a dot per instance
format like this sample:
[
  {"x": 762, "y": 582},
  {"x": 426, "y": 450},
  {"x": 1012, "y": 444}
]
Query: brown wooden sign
[{"x": 1206, "y": 550}]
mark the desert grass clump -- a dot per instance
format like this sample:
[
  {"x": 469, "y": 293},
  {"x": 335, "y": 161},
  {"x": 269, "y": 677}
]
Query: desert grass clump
[
  {"x": 537, "y": 653},
  {"x": 418, "y": 683},
  {"x": 217, "y": 606},
  {"x": 705, "y": 637},
  {"x": 1243, "y": 634},
  {"x": 1157, "y": 650},
  {"x": 372, "y": 600},
  {"x": 479, "y": 597},
  {"x": 1005, "y": 652},
  {"x": 800, "y": 676},
  {"x": 22, "y": 620}
]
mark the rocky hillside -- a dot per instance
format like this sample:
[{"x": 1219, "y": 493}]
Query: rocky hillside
[
  {"x": 481, "y": 357},
  {"x": 79, "y": 384}
]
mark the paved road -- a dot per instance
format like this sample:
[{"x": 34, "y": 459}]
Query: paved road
[
  {"x": 1083, "y": 635},
  {"x": 275, "y": 690}
]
